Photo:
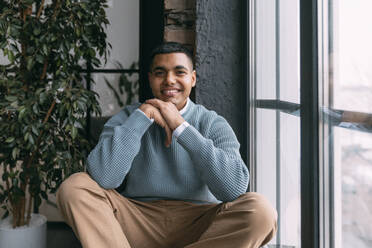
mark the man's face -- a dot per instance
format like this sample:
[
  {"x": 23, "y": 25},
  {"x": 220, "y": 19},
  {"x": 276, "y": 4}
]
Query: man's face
[{"x": 172, "y": 78}]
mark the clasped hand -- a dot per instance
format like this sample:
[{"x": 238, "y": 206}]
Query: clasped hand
[{"x": 165, "y": 114}]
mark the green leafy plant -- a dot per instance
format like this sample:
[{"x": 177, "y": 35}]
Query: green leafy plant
[{"x": 43, "y": 102}]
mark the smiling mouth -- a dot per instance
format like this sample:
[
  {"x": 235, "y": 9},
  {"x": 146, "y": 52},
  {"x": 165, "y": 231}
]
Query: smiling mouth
[{"x": 170, "y": 93}]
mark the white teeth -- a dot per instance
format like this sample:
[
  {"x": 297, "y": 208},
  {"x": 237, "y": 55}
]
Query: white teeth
[{"x": 170, "y": 91}]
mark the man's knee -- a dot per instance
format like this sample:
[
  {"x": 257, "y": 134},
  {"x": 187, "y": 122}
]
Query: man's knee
[
  {"x": 71, "y": 187},
  {"x": 258, "y": 208}
]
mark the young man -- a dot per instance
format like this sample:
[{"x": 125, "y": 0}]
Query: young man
[{"x": 184, "y": 180}]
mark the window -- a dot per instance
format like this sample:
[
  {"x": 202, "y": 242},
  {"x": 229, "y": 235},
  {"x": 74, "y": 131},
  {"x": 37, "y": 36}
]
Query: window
[{"x": 310, "y": 95}]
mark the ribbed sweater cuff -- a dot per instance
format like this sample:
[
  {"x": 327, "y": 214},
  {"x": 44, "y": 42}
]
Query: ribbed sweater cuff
[
  {"x": 191, "y": 139},
  {"x": 138, "y": 123}
]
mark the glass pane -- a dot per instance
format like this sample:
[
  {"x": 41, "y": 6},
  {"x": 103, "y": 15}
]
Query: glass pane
[
  {"x": 276, "y": 142},
  {"x": 265, "y": 49},
  {"x": 278, "y": 171},
  {"x": 108, "y": 99},
  {"x": 346, "y": 107},
  {"x": 266, "y": 153},
  {"x": 290, "y": 187},
  {"x": 353, "y": 177},
  {"x": 123, "y": 33},
  {"x": 351, "y": 39},
  {"x": 277, "y": 50},
  {"x": 266, "y": 150},
  {"x": 289, "y": 51}
]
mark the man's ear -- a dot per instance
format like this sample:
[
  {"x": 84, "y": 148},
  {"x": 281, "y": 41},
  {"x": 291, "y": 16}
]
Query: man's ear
[{"x": 193, "y": 76}]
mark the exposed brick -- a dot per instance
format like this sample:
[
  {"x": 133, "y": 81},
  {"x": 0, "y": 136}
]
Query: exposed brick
[
  {"x": 181, "y": 19},
  {"x": 179, "y": 4},
  {"x": 181, "y": 36}
]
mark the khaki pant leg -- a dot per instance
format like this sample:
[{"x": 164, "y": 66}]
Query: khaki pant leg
[
  {"x": 104, "y": 218},
  {"x": 248, "y": 222},
  {"x": 89, "y": 210}
]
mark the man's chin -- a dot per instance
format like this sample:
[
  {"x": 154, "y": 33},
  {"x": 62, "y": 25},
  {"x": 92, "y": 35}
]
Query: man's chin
[
  {"x": 173, "y": 100},
  {"x": 168, "y": 99}
]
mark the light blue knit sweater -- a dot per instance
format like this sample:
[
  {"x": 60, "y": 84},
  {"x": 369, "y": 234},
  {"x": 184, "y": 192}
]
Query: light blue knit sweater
[{"x": 203, "y": 165}]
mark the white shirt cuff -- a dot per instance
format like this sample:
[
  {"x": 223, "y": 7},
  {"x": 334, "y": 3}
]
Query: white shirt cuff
[
  {"x": 152, "y": 120},
  {"x": 177, "y": 132}
]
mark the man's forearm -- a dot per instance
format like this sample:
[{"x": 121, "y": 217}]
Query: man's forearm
[
  {"x": 221, "y": 168},
  {"x": 111, "y": 159}
]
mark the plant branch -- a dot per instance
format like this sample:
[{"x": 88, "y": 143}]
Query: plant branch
[
  {"x": 55, "y": 12},
  {"x": 7, "y": 180},
  {"x": 23, "y": 206},
  {"x": 26, "y": 12},
  {"x": 40, "y": 9},
  {"x": 29, "y": 208},
  {"x": 41, "y": 134},
  {"x": 44, "y": 70},
  {"x": 29, "y": 162}
]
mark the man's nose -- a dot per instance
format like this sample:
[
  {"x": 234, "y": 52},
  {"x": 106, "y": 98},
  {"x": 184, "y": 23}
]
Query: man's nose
[{"x": 170, "y": 79}]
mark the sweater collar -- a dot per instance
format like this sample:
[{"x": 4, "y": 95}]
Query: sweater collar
[{"x": 184, "y": 109}]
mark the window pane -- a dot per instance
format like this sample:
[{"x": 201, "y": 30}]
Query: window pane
[
  {"x": 122, "y": 33},
  {"x": 278, "y": 170},
  {"x": 351, "y": 39},
  {"x": 346, "y": 107},
  {"x": 289, "y": 51},
  {"x": 108, "y": 100},
  {"x": 353, "y": 168},
  {"x": 277, "y": 50},
  {"x": 276, "y": 142},
  {"x": 290, "y": 187},
  {"x": 266, "y": 150},
  {"x": 265, "y": 49},
  {"x": 266, "y": 153}
]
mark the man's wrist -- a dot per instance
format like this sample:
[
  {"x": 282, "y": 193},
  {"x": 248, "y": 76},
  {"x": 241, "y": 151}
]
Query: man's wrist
[
  {"x": 177, "y": 132},
  {"x": 151, "y": 119}
]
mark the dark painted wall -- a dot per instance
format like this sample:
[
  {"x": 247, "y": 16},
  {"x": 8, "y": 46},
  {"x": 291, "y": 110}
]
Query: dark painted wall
[
  {"x": 219, "y": 48},
  {"x": 151, "y": 35}
]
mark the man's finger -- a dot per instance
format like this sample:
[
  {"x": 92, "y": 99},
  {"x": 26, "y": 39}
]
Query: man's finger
[
  {"x": 155, "y": 102},
  {"x": 161, "y": 121},
  {"x": 168, "y": 140}
]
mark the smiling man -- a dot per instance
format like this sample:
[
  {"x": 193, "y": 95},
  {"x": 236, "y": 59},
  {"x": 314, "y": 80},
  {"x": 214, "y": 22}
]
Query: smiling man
[{"x": 183, "y": 182}]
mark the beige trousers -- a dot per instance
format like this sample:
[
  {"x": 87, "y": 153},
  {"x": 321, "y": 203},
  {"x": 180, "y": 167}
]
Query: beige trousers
[{"x": 105, "y": 218}]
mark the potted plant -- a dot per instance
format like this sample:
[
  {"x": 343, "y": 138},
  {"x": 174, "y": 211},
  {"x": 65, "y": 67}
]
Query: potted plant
[{"x": 43, "y": 101}]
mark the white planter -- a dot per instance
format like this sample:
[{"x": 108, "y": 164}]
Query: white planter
[{"x": 32, "y": 236}]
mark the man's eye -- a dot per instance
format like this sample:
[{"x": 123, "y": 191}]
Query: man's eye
[
  {"x": 159, "y": 73},
  {"x": 181, "y": 72}
]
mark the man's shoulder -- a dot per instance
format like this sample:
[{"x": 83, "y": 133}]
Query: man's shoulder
[
  {"x": 201, "y": 110},
  {"x": 130, "y": 108},
  {"x": 202, "y": 117},
  {"x": 208, "y": 122}
]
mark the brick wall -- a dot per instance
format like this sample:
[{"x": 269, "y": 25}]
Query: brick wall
[{"x": 179, "y": 22}]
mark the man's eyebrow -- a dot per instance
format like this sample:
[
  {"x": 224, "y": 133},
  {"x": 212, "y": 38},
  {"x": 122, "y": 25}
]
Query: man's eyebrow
[
  {"x": 177, "y": 67},
  {"x": 181, "y": 67},
  {"x": 159, "y": 68}
]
